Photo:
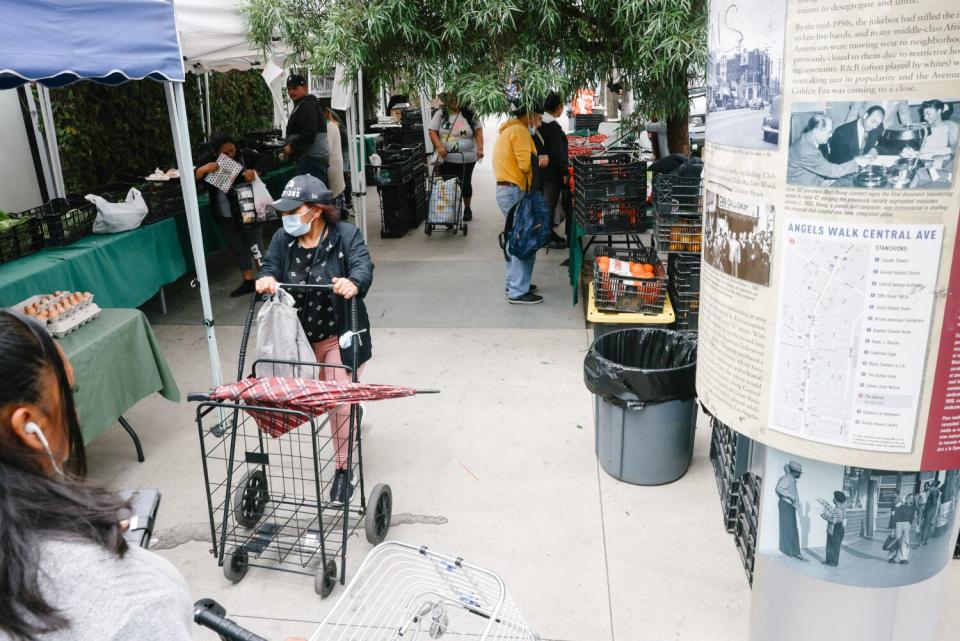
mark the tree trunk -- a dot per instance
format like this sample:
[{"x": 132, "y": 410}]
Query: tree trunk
[{"x": 678, "y": 136}]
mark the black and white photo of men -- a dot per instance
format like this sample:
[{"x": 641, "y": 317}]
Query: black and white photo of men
[
  {"x": 884, "y": 144},
  {"x": 744, "y": 72},
  {"x": 738, "y": 238}
]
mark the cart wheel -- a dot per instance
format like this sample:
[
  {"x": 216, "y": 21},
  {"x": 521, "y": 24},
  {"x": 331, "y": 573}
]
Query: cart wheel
[
  {"x": 379, "y": 510},
  {"x": 235, "y": 564},
  {"x": 251, "y": 498},
  {"x": 325, "y": 579},
  {"x": 454, "y": 230},
  {"x": 427, "y": 229},
  {"x": 465, "y": 228}
]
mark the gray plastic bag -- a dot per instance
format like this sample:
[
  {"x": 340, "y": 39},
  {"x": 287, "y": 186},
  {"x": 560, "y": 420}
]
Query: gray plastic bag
[{"x": 280, "y": 336}]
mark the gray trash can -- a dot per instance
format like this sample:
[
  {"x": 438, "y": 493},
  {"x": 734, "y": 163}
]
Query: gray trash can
[{"x": 645, "y": 410}]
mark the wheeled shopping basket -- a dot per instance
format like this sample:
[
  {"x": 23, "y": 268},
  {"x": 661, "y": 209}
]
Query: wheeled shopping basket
[
  {"x": 404, "y": 592},
  {"x": 446, "y": 202},
  {"x": 268, "y": 468}
]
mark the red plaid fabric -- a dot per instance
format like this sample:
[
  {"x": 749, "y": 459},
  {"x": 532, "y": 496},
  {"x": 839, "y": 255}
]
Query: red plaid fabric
[{"x": 309, "y": 396}]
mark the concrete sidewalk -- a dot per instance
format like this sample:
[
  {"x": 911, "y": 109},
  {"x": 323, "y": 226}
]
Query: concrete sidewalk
[{"x": 499, "y": 468}]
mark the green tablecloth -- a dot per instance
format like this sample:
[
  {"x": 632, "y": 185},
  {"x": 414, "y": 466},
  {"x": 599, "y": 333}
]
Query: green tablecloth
[
  {"x": 117, "y": 363},
  {"x": 122, "y": 270}
]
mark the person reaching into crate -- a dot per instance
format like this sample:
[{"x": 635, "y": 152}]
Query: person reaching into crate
[
  {"x": 455, "y": 130},
  {"x": 226, "y": 206},
  {"x": 314, "y": 247}
]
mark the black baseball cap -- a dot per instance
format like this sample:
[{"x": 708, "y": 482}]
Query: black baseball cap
[
  {"x": 303, "y": 189},
  {"x": 296, "y": 80}
]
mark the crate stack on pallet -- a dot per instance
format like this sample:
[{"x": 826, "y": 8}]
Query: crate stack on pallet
[
  {"x": 678, "y": 201},
  {"x": 402, "y": 186}
]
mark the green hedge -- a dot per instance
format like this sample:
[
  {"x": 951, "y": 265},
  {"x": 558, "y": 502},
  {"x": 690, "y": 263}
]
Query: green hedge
[{"x": 118, "y": 133}]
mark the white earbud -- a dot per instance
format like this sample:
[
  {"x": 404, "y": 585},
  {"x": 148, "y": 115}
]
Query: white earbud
[{"x": 33, "y": 428}]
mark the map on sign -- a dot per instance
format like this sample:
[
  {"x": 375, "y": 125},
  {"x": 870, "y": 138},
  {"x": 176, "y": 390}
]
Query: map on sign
[{"x": 852, "y": 326}]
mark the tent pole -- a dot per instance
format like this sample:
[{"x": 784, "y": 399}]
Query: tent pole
[
  {"x": 203, "y": 117},
  {"x": 53, "y": 148},
  {"x": 354, "y": 163},
  {"x": 176, "y": 106},
  {"x": 425, "y": 118},
  {"x": 41, "y": 141},
  {"x": 363, "y": 155},
  {"x": 206, "y": 103}
]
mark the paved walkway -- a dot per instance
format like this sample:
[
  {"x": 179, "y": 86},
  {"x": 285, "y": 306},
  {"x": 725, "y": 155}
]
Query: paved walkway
[{"x": 499, "y": 468}]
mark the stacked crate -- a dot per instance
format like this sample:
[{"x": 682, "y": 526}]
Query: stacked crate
[
  {"x": 401, "y": 184},
  {"x": 956, "y": 552},
  {"x": 678, "y": 201},
  {"x": 629, "y": 290},
  {"x": 723, "y": 455},
  {"x": 609, "y": 193},
  {"x": 410, "y": 132},
  {"x": 589, "y": 122},
  {"x": 748, "y": 520}
]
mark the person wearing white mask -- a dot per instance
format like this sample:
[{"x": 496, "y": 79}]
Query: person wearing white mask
[{"x": 316, "y": 248}]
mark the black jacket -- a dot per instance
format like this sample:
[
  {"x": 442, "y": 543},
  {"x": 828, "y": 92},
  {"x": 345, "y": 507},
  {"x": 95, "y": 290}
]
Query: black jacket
[
  {"x": 556, "y": 145},
  {"x": 844, "y": 144},
  {"x": 354, "y": 263},
  {"x": 250, "y": 159},
  {"x": 305, "y": 123}
]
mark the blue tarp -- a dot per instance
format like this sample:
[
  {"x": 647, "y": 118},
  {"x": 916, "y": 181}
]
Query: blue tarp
[{"x": 57, "y": 42}]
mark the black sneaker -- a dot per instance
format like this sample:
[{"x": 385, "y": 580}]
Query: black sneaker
[
  {"x": 526, "y": 299},
  {"x": 341, "y": 487},
  {"x": 467, "y": 215},
  {"x": 532, "y": 289},
  {"x": 247, "y": 287},
  {"x": 557, "y": 242}
]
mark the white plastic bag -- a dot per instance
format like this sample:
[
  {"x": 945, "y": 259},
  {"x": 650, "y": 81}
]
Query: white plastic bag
[
  {"x": 113, "y": 218},
  {"x": 261, "y": 197},
  {"x": 444, "y": 199},
  {"x": 280, "y": 337}
]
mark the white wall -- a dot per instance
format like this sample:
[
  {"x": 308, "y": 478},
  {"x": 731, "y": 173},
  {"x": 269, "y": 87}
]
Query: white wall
[{"x": 19, "y": 189}]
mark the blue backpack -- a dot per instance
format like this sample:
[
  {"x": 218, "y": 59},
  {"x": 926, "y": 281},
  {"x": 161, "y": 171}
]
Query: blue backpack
[{"x": 528, "y": 227}]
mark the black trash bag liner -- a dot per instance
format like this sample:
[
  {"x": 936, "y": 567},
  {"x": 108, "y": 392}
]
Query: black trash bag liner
[
  {"x": 690, "y": 168},
  {"x": 638, "y": 366}
]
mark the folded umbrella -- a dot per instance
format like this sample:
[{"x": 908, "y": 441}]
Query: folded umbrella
[{"x": 310, "y": 396}]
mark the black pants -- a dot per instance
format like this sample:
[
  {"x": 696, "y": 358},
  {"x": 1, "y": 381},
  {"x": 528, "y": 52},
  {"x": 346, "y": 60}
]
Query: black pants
[
  {"x": 462, "y": 171},
  {"x": 240, "y": 238},
  {"x": 552, "y": 191}
]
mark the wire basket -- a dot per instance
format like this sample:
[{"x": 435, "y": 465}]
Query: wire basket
[
  {"x": 629, "y": 293},
  {"x": 405, "y": 592},
  {"x": 678, "y": 194},
  {"x": 64, "y": 220},
  {"x": 679, "y": 233},
  {"x": 20, "y": 239}
]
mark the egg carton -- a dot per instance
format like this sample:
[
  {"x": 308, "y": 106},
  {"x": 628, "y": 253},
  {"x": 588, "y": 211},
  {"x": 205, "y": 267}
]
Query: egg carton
[
  {"x": 56, "y": 299},
  {"x": 70, "y": 323}
]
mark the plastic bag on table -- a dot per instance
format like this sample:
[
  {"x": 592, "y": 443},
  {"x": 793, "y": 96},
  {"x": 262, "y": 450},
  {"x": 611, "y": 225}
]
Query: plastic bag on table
[
  {"x": 113, "y": 218},
  {"x": 280, "y": 337},
  {"x": 638, "y": 366}
]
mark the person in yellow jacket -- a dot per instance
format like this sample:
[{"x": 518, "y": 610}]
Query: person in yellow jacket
[{"x": 513, "y": 158}]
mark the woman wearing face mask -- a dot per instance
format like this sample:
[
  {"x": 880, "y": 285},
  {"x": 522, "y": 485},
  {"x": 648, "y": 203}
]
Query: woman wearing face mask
[
  {"x": 66, "y": 572},
  {"x": 315, "y": 248},
  {"x": 240, "y": 237}
]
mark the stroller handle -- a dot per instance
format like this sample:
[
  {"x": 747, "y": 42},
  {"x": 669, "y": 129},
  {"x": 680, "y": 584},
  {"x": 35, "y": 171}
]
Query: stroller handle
[{"x": 210, "y": 614}]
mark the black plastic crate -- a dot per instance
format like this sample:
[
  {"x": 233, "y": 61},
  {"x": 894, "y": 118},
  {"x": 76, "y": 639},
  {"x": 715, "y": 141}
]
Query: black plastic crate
[
  {"x": 606, "y": 168},
  {"x": 956, "y": 552},
  {"x": 634, "y": 293},
  {"x": 394, "y": 174},
  {"x": 394, "y": 153},
  {"x": 412, "y": 118},
  {"x": 684, "y": 271},
  {"x": 164, "y": 200},
  {"x": 64, "y": 220},
  {"x": 678, "y": 233},
  {"x": 686, "y": 320},
  {"x": 602, "y": 190},
  {"x": 684, "y": 301},
  {"x": 588, "y": 121},
  {"x": 402, "y": 207},
  {"x": 612, "y": 217},
  {"x": 679, "y": 195},
  {"x": 21, "y": 239}
]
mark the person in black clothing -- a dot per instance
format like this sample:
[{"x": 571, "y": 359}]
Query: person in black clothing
[
  {"x": 315, "y": 247},
  {"x": 240, "y": 237},
  {"x": 306, "y": 130},
  {"x": 555, "y": 176}
]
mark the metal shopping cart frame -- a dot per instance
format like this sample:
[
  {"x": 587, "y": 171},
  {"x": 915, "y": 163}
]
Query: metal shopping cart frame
[
  {"x": 275, "y": 515},
  {"x": 454, "y": 223}
]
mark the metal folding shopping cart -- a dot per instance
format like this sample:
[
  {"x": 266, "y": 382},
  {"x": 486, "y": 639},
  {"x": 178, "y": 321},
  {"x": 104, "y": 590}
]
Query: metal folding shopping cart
[
  {"x": 404, "y": 592},
  {"x": 446, "y": 203},
  {"x": 268, "y": 466}
]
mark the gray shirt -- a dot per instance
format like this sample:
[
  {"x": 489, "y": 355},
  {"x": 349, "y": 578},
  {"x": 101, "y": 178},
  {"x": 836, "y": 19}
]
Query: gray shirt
[{"x": 139, "y": 597}]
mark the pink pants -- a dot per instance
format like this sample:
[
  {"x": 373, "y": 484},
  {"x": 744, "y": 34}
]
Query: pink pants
[{"x": 328, "y": 353}]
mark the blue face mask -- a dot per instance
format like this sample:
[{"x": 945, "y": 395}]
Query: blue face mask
[
  {"x": 293, "y": 226},
  {"x": 533, "y": 130}
]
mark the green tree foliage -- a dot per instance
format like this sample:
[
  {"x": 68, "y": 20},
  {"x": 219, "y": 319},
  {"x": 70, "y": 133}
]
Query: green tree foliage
[
  {"x": 123, "y": 133},
  {"x": 476, "y": 46}
]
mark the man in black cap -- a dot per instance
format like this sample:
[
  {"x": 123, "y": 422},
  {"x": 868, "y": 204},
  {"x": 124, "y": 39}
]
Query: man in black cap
[{"x": 306, "y": 130}]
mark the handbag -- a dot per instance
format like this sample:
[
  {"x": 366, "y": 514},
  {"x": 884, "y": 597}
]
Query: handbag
[{"x": 890, "y": 543}]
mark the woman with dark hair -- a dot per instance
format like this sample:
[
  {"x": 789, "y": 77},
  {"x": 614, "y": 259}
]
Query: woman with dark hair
[
  {"x": 943, "y": 131},
  {"x": 66, "y": 572},
  {"x": 315, "y": 248},
  {"x": 457, "y": 136},
  {"x": 226, "y": 210}
]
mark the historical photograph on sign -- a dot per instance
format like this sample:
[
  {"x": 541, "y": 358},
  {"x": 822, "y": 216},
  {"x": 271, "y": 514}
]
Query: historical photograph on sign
[
  {"x": 744, "y": 73},
  {"x": 738, "y": 238},
  {"x": 891, "y": 144},
  {"x": 856, "y": 526}
]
